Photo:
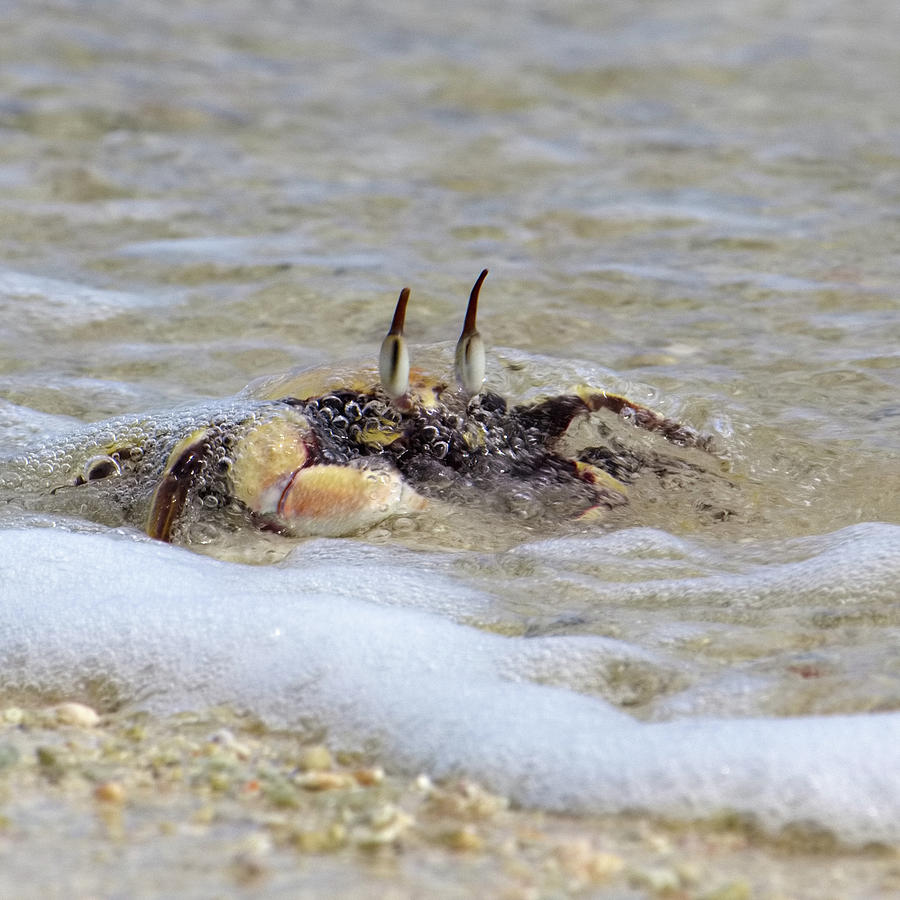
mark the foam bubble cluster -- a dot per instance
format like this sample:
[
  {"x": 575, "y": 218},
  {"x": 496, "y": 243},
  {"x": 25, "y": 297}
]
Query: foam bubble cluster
[{"x": 352, "y": 648}]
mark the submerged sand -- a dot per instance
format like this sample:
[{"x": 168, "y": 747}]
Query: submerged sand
[{"x": 215, "y": 804}]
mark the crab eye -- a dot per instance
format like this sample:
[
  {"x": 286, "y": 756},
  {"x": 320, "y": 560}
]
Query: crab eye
[
  {"x": 393, "y": 363},
  {"x": 98, "y": 467},
  {"x": 470, "y": 348}
]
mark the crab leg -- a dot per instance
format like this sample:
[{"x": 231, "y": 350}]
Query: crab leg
[
  {"x": 553, "y": 416},
  {"x": 645, "y": 418},
  {"x": 393, "y": 363},
  {"x": 470, "y": 355}
]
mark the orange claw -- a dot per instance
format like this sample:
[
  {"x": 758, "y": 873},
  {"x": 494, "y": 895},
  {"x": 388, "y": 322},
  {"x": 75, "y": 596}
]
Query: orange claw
[
  {"x": 276, "y": 478},
  {"x": 336, "y": 500}
]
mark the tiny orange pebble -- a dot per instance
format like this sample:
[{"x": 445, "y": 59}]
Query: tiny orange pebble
[
  {"x": 109, "y": 792},
  {"x": 369, "y": 777}
]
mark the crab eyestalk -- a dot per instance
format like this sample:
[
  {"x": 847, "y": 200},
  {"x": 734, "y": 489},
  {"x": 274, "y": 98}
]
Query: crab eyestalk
[
  {"x": 393, "y": 362},
  {"x": 470, "y": 357}
]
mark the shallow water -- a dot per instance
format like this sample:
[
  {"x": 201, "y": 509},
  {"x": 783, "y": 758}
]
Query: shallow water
[{"x": 698, "y": 210}]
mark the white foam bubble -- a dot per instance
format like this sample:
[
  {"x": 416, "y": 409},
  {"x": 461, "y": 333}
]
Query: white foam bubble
[{"x": 296, "y": 643}]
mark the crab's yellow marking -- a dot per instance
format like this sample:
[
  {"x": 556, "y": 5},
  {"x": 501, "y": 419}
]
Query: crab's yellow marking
[
  {"x": 378, "y": 437},
  {"x": 594, "y": 514},
  {"x": 473, "y": 438},
  {"x": 598, "y": 399},
  {"x": 265, "y": 458},
  {"x": 611, "y": 492},
  {"x": 423, "y": 392},
  {"x": 600, "y": 477}
]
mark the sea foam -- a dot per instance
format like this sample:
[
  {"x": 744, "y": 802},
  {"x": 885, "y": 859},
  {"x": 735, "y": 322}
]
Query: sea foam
[{"x": 355, "y": 651}]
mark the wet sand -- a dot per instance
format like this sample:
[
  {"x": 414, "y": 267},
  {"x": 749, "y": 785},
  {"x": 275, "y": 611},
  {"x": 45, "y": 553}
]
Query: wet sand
[{"x": 215, "y": 804}]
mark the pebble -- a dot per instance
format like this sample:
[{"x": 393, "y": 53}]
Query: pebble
[
  {"x": 280, "y": 793},
  {"x": 110, "y": 792},
  {"x": 316, "y": 759},
  {"x": 659, "y": 843},
  {"x": 13, "y": 715},
  {"x": 468, "y": 799},
  {"x": 76, "y": 714},
  {"x": 324, "y": 840},
  {"x": 424, "y": 784},
  {"x": 324, "y": 781},
  {"x": 689, "y": 872},
  {"x": 579, "y": 859},
  {"x": 735, "y": 890},
  {"x": 602, "y": 866},
  {"x": 204, "y": 815},
  {"x": 256, "y": 844},
  {"x": 369, "y": 777},
  {"x": 225, "y": 738},
  {"x": 464, "y": 839},
  {"x": 47, "y": 758},
  {"x": 382, "y": 826},
  {"x": 657, "y": 880}
]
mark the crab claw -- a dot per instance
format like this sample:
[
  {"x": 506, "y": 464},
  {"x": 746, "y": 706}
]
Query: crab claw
[
  {"x": 276, "y": 476},
  {"x": 170, "y": 497},
  {"x": 470, "y": 363},
  {"x": 338, "y": 500},
  {"x": 393, "y": 363}
]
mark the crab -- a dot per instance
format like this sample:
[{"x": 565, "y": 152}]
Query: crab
[{"x": 332, "y": 453}]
